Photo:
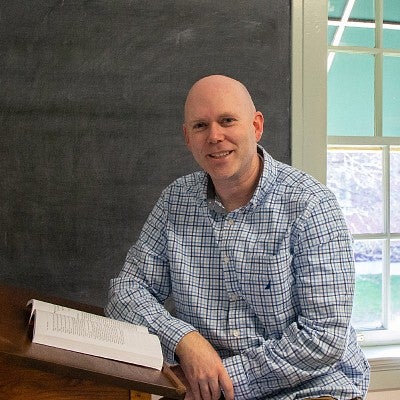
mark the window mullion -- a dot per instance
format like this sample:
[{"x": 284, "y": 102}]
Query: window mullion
[
  {"x": 386, "y": 246},
  {"x": 378, "y": 67},
  {"x": 378, "y": 95}
]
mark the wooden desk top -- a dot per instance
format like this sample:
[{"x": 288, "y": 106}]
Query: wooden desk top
[{"x": 16, "y": 347}]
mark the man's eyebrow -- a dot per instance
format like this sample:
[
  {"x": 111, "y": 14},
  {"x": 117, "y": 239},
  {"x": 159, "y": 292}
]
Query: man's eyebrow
[
  {"x": 205, "y": 119},
  {"x": 229, "y": 115},
  {"x": 195, "y": 121}
]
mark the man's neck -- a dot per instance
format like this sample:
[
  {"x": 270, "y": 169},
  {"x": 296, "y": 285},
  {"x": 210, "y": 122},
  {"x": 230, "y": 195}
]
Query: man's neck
[{"x": 234, "y": 195}]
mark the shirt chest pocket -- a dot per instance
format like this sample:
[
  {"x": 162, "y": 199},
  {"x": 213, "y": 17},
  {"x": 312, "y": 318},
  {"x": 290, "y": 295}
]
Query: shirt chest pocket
[{"x": 267, "y": 284}]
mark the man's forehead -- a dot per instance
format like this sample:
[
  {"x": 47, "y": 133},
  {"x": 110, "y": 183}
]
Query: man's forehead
[
  {"x": 213, "y": 111},
  {"x": 218, "y": 100},
  {"x": 213, "y": 105}
]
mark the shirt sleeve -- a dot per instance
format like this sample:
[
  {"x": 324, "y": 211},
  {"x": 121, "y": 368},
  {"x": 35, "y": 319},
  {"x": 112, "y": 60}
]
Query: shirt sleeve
[
  {"x": 138, "y": 294},
  {"x": 324, "y": 286}
]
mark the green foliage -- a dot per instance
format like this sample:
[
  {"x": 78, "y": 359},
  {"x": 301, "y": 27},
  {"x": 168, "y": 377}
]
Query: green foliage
[{"x": 367, "y": 310}]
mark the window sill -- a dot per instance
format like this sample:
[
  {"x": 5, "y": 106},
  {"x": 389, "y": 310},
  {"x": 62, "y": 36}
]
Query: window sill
[{"x": 385, "y": 367}]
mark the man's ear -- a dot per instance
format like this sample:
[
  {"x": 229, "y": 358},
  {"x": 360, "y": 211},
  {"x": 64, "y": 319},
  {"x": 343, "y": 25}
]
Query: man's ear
[
  {"x": 258, "y": 123},
  {"x": 185, "y": 135}
]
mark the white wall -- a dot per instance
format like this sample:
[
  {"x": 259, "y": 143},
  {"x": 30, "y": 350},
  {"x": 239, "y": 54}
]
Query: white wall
[{"x": 384, "y": 395}]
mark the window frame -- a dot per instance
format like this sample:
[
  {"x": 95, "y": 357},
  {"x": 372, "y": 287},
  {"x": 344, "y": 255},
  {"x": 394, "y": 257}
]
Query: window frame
[
  {"x": 309, "y": 86},
  {"x": 309, "y": 110}
]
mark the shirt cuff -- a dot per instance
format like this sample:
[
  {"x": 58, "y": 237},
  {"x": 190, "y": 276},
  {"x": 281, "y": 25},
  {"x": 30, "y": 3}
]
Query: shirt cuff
[{"x": 170, "y": 334}]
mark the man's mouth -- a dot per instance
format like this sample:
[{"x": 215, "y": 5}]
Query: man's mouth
[{"x": 220, "y": 154}]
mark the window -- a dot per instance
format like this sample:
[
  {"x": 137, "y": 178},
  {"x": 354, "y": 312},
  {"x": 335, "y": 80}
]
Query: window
[
  {"x": 363, "y": 148},
  {"x": 346, "y": 133}
]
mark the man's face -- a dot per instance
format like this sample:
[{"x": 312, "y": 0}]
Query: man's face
[{"x": 221, "y": 130}]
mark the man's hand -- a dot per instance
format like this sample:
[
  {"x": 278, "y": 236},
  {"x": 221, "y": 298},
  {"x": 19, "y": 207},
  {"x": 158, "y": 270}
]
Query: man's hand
[{"x": 203, "y": 369}]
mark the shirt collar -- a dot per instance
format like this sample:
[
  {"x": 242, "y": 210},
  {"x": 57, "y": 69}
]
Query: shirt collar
[
  {"x": 268, "y": 176},
  {"x": 213, "y": 201}
]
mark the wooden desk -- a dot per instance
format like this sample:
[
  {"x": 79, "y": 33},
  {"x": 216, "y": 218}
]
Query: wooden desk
[{"x": 36, "y": 372}]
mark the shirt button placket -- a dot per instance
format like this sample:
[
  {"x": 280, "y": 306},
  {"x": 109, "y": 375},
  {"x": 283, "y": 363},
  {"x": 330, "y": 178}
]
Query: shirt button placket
[{"x": 230, "y": 222}]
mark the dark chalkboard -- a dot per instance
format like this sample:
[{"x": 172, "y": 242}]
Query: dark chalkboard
[{"x": 91, "y": 111}]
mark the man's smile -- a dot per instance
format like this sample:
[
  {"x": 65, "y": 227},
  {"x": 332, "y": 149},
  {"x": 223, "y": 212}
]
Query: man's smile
[{"x": 220, "y": 154}]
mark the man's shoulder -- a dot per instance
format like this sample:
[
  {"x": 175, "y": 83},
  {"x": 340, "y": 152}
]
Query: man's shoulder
[
  {"x": 285, "y": 180},
  {"x": 191, "y": 184},
  {"x": 295, "y": 182},
  {"x": 193, "y": 179}
]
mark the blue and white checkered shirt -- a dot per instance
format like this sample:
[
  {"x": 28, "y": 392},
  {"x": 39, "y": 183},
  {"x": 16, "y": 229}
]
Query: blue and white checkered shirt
[{"x": 270, "y": 285}]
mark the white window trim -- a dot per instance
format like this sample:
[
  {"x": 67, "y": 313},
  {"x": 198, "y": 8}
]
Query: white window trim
[
  {"x": 309, "y": 86},
  {"x": 309, "y": 143}
]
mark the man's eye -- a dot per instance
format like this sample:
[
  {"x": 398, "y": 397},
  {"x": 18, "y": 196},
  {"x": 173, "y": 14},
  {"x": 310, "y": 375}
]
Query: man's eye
[
  {"x": 228, "y": 121},
  {"x": 199, "y": 126}
]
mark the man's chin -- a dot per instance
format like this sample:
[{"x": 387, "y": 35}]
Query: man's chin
[{"x": 222, "y": 176}]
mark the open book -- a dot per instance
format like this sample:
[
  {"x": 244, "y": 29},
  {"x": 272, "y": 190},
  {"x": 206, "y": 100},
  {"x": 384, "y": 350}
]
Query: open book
[{"x": 83, "y": 332}]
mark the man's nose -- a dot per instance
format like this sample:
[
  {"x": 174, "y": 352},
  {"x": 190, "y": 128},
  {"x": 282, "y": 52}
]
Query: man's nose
[{"x": 215, "y": 133}]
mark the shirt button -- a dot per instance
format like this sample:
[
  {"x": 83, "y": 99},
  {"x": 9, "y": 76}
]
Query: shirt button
[
  {"x": 226, "y": 260},
  {"x": 236, "y": 333},
  {"x": 231, "y": 222},
  {"x": 234, "y": 297}
]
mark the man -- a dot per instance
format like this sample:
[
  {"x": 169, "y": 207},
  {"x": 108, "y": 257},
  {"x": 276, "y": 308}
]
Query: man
[{"x": 258, "y": 260}]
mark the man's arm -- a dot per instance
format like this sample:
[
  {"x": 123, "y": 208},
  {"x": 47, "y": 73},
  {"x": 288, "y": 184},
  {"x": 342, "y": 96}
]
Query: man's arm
[{"x": 138, "y": 294}]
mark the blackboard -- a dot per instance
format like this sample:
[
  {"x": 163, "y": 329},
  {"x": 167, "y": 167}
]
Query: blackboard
[{"x": 91, "y": 113}]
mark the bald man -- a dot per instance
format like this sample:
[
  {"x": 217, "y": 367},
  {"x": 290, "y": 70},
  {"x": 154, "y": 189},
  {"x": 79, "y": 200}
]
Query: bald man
[{"x": 258, "y": 260}]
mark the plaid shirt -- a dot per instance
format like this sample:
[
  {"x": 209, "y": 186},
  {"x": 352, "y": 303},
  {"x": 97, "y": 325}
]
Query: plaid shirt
[{"x": 270, "y": 285}]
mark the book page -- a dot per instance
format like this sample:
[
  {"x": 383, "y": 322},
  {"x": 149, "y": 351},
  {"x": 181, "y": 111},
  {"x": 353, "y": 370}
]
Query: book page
[
  {"x": 77, "y": 314},
  {"x": 81, "y": 328},
  {"x": 100, "y": 336}
]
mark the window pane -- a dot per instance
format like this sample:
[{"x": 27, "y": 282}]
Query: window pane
[
  {"x": 391, "y": 10},
  {"x": 355, "y": 176},
  {"x": 395, "y": 190},
  {"x": 351, "y": 95},
  {"x": 358, "y": 29},
  {"x": 391, "y": 96},
  {"x": 367, "y": 309},
  {"x": 357, "y": 36},
  {"x": 331, "y": 33},
  {"x": 391, "y": 38},
  {"x": 391, "y": 24},
  {"x": 395, "y": 283},
  {"x": 336, "y": 8},
  {"x": 363, "y": 10}
]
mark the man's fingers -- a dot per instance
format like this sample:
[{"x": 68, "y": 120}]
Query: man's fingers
[
  {"x": 196, "y": 392},
  {"x": 227, "y": 386},
  {"x": 205, "y": 390},
  {"x": 209, "y": 389},
  {"x": 215, "y": 389}
]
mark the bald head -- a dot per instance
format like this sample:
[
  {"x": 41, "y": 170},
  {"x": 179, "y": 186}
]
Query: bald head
[{"x": 215, "y": 88}]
